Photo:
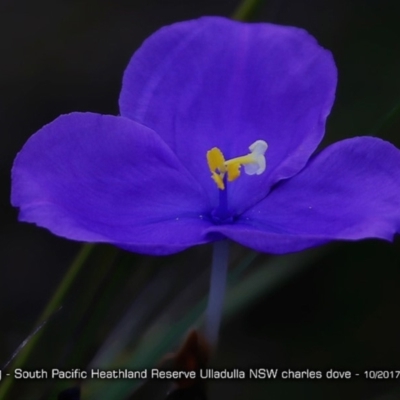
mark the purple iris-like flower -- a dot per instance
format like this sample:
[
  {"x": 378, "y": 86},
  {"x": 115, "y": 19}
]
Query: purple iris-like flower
[{"x": 175, "y": 169}]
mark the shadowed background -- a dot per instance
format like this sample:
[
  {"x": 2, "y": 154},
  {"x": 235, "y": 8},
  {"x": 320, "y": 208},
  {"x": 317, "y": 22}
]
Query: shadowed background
[{"x": 341, "y": 311}]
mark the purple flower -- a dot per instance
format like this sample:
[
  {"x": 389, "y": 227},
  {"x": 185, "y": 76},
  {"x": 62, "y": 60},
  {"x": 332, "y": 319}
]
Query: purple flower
[{"x": 195, "y": 97}]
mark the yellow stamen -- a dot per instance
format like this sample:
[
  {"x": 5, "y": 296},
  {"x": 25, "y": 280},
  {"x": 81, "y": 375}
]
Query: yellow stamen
[
  {"x": 233, "y": 171},
  {"x": 215, "y": 159},
  {"x": 218, "y": 180},
  {"x": 216, "y": 162},
  {"x": 233, "y": 166},
  {"x": 254, "y": 163}
]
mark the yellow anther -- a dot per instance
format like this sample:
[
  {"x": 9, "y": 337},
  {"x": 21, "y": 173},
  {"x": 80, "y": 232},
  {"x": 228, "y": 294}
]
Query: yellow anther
[
  {"x": 215, "y": 160},
  {"x": 233, "y": 171},
  {"x": 254, "y": 163},
  {"x": 219, "y": 180}
]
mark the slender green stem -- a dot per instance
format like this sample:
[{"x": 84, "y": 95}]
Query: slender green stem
[
  {"x": 387, "y": 119},
  {"x": 219, "y": 271},
  {"x": 52, "y": 306},
  {"x": 246, "y": 10},
  {"x": 68, "y": 279}
]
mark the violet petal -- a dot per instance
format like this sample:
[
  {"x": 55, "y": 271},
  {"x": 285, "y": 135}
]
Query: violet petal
[
  {"x": 349, "y": 191},
  {"x": 101, "y": 178},
  {"x": 217, "y": 82}
]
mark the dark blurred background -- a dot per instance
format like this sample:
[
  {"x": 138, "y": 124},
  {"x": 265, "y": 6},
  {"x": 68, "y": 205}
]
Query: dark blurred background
[{"x": 340, "y": 312}]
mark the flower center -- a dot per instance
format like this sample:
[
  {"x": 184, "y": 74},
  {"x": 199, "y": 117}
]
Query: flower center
[{"x": 253, "y": 163}]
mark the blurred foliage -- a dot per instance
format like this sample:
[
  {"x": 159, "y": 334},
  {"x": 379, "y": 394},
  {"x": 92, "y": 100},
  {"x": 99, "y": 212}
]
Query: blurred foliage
[{"x": 333, "y": 307}]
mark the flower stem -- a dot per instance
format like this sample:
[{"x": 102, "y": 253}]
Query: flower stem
[
  {"x": 219, "y": 270},
  {"x": 246, "y": 10},
  {"x": 52, "y": 307}
]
